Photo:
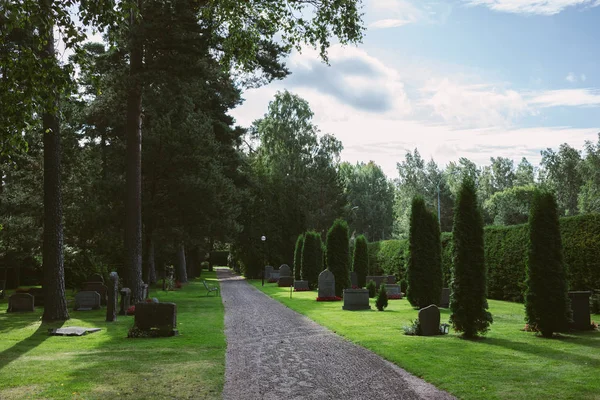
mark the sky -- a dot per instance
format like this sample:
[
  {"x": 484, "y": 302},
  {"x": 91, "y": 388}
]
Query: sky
[{"x": 453, "y": 78}]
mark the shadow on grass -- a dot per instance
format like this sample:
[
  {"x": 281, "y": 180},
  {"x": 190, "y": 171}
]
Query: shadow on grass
[{"x": 23, "y": 346}]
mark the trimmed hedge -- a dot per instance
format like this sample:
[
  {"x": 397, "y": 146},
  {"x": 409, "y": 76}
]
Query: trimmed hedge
[
  {"x": 312, "y": 258},
  {"x": 506, "y": 255},
  {"x": 360, "y": 261}
]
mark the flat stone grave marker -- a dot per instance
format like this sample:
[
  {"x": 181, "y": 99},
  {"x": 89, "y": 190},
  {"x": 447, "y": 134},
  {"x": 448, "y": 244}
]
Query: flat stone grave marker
[
  {"x": 268, "y": 271},
  {"x": 580, "y": 305},
  {"x": 158, "y": 318},
  {"x": 96, "y": 287},
  {"x": 392, "y": 289},
  {"x": 71, "y": 331},
  {"x": 301, "y": 285},
  {"x": 87, "y": 300},
  {"x": 429, "y": 319},
  {"x": 284, "y": 271},
  {"x": 96, "y": 278},
  {"x": 445, "y": 299},
  {"x": 326, "y": 284},
  {"x": 356, "y": 299},
  {"x": 353, "y": 279},
  {"x": 20, "y": 302},
  {"x": 125, "y": 300}
]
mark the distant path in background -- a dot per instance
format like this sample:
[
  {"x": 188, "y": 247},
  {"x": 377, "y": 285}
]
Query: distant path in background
[{"x": 275, "y": 353}]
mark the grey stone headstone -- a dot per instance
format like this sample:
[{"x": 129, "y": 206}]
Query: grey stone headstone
[
  {"x": 392, "y": 289},
  {"x": 161, "y": 317},
  {"x": 71, "y": 331},
  {"x": 87, "y": 300},
  {"x": 145, "y": 291},
  {"x": 301, "y": 285},
  {"x": 445, "y": 299},
  {"x": 429, "y": 319},
  {"x": 97, "y": 287},
  {"x": 285, "y": 281},
  {"x": 377, "y": 279},
  {"x": 274, "y": 275},
  {"x": 284, "y": 270},
  {"x": 356, "y": 299},
  {"x": 268, "y": 270},
  {"x": 20, "y": 302},
  {"x": 125, "y": 300},
  {"x": 111, "y": 306},
  {"x": 580, "y": 305},
  {"x": 353, "y": 279},
  {"x": 326, "y": 284}
]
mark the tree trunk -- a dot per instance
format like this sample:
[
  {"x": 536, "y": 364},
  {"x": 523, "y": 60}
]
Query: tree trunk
[
  {"x": 133, "y": 178},
  {"x": 55, "y": 308},
  {"x": 181, "y": 266},
  {"x": 151, "y": 262}
]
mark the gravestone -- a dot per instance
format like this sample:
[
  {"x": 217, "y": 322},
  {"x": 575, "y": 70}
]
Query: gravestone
[
  {"x": 353, "y": 279},
  {"x": 145, "y": 291},
  {"x": 20, "y": 302},
  {"x": 38, "y": 293},
  {"x": 391, "y": 279},
  {"x": 378, "y": 280},
  {"x": 285, "y": 281},
  {"x": 445, "y": 299},
  {"x": 393, "y": 289},
  {"x": 71, "y": 331},
  {"x": 326, "y": 284},
  {"x": 284, "y": 271},
  {"x": 87, "y": 300},
  {"x": 580, "y": 305},
  {"x": 429, "y": 319},
  {"x": 125, "y": 300},
  {"x": 96, "y": 278},
  {"x": 301, "y": 285},
  {"x": 356, "y": 299},
  {"x": 111, "y": 306},
  {"x": 274, "y": 275},
  {"x": 96, "y": 287},
  {"x": 158, "y": 318},
  {"x": 268, "y": 270}
]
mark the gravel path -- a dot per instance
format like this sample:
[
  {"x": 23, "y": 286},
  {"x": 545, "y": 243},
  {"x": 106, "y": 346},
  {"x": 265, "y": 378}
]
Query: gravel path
[{"x": 275, "y": 353}]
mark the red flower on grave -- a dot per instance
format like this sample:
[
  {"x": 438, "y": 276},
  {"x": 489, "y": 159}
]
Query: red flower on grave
[
  {"x": 355, "y": 287},
  {"x": 301, "y": 290},
  {"x": 329, "y": 298},
  {"x": 131, "y": 310},
  {"x": 394, "y": 296}
]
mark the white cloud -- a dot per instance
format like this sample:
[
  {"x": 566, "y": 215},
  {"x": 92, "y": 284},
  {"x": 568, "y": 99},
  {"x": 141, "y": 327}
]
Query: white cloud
[
  {"x": 388, "y": 23},
  {"x": 539, "y": 7},
  {"x": 583, "y": 77},
  {"x": 567, "y": 97},
  {"x": 571, "y": 77},
  {"x": 392, "y": 13}
]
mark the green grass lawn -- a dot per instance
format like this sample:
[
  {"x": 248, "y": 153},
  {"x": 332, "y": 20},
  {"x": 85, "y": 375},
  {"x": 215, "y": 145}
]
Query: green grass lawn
[
  {"x": 506, "y": 364},
  {"x": 107, "y": 365}
]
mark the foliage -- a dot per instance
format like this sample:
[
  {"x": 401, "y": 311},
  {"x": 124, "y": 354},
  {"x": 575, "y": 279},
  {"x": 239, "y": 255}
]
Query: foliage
[
  {"x": 388, "y": 257},
  {"x": 361, "y": 260},
  {"x": 382, "y": 300},
  {"x": 298, "y": 257},
  {"x": 372, "y": 288},
  {"x": 446, "y": 242},
  {"x": 424, "y": 267},
  {"x": 511, "y": 206},
  {"x": 468, "y": 301},
  {"x": 312, "y": 258},
  {"x": 561, "y": 173},
  {"x": 547, "y": 304},
  {"x": 338, "y": 255},
  {"x": 414, "y": 329}
]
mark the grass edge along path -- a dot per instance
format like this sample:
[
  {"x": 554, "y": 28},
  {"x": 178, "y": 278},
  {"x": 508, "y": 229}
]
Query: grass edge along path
[
  {"x": 507, "y": 364},
  {"x": 106, "y": 364}
]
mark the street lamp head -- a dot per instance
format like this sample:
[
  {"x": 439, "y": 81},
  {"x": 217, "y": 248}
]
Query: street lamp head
[{"x": 263, "y": 238}]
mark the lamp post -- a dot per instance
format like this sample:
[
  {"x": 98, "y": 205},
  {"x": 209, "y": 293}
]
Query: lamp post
[{"x": 263, "y": 239}]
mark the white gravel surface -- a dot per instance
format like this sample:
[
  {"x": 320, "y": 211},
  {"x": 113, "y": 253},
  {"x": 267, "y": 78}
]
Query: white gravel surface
[{"x": 275, "y": 353}]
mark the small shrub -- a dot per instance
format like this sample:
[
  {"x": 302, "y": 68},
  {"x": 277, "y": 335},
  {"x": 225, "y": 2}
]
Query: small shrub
[
  {"x": 382, "y": 300},
  {"x": 372, "y": 288}
]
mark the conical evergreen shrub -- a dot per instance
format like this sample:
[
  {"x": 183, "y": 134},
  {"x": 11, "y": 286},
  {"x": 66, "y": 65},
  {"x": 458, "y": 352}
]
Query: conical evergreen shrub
[
  {"x": 424, "y": 269},
  {"x": 312, "y": 258},
  {"x": 468, "y": 302},
  {"x": 547, "y": 304},
  {"x": 372, "y": 288},
  {"x": 298, "y": 257},
  {"x": 361, "y": 260},
  {"x": 382, "y": 300},
  {"x": 337, "y": 254}
]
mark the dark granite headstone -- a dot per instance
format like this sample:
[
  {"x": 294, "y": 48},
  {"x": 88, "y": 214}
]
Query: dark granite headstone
[
  {"x": 326, "y": 284},
  {"x": 353, "y": 279},
  {"x": 96, "y": 278},
  {"x": 111, "y": 306},
  {"x": 356, "y": 299},
  {"x": 391, "y": 280},
  {"x": 429, "y": 319},
  {"x": 580, "y": 305},
  {"x": 38, "y": 293},
  {"x": 445, "y": 299},
  {"x": 285, "y": 281},
  {"x": 87, "y": 300},
  {"x": 301, "y": 285},
  {"x": 96, "y": 287},
  {"x": 20, "y": 302},
  {"x": 268, "y": 270},
  {"x": 284, "y": 271},
  {"x": 158, "y": 317},
  {"x": 125, "y": 300}
]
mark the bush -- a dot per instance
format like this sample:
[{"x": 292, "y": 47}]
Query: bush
[
  {"x": 361, "y": 260},
  {"x": 338, "y": 255},
  {"x": 547, "y": 304},
  {"x": 382, "y": 300},
  {"x": 298, "y": 257},
  {"x": 424, "y": 272},
  {"x": 388, "y": 258},
  {"x": 372, "y": 288},
  {"x": 468, "y": 302},
  {"x": 312, "y": 258}
]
